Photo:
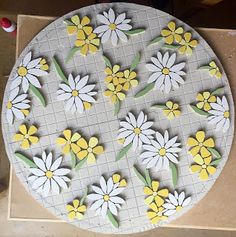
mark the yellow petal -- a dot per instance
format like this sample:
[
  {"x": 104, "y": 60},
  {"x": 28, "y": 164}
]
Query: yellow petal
[
  {"x": 108, "y": 79},
  {"x": 156, "y": 219},
  {"x": 218, "y": 74},
  {"x": 193, "y": 43},
  {"x": 82, "y": 143},
  {"x": 204, "y": 152},
  {"x": 91, "y": 158},
  {"x": 126, "y": 86},
  {"x": 149, "y": 200},
  {"x": 169, "y": 104},
  {"x": 111, "y": 87},
  {"x": 134, "y": 83},
  {"x": 108, "y": 93},
  {"x": 171, "y": 25},
  {"x": 67, "y": 134},
  {"x": 207, "y": 106},
  {"x": 203, "y": 175},
  {"x": 154, "y": 207},
  {"x": 113, "y": 99},
  {"x": 79, "y": 215},
  {"x": 147, "y": 191},
  {"x": 195, "y": 168},
  {"x": 75, "y": 19},
  {"x": 98, "y": 150},
  {"x": 75, "y": 137},
  {"x": 18, "y": 137},
  {"x": 132, "y": 75},
  {"x": 200, "y": 97},
  {"x": 95, "y": 41},
  {"x": 32, "y": 130},
  {"x": 116, "y": 178},
  {"x": 82, "y": 208},
  {"x": 126, "y": 73},
  {"x": 75, "y": 203},
  {"x": 208, "y": 160},
  {"x": 71, "y": 215},
  {"x": 66, "y": 149},
  {"x": 177, "y": 38},
  {"x": 75, "y": 148},
  {"x": 179, "y": 30},
  {"x": 69, "y": 207},
  {"x": 192, "y": 142},
  {"x": 182, "y": 49},
  {"x": 61, "y": 141},
  {"x": 194, "y": 151},
  {"x": 71, "y": 29},
  {"x": 85, "y": 21},
  {"x": 187, "y": 36},
  {"x": 206, "y": 94},
  {"x": 121, "y": 96},
  {"x": 87, "y": 105},
  {"x": 116, "y": 68},
  {"x": 212, "y": 64},
  {"x": 198, "y": 159},
  {"x": 92, "y": 36},
  {"x": 188, "y": 51},
  {"x": 25, "y": 112},
  {"x": 212, "y": 72},
  {"x": 165, "y": 32},
  {"x": 92, "y": 48},
  {"x": 155, "y": 185},
  {"x": 119, "y": 88},
  {"x": 212, "y": 99},
  {"x": 33, "y": 139},
  {"x": 82, "y": 154},
  {"x": 177, "y": 113},
  {"x": 159, "y": 201},
  {"x": 200, "y": 136},
  {"x": 170, "y": 116},
  {"x": 209, "y": 142},
  {"x": 163, "y": 192},
  {"x": 151, "y": 214},
  {"x": 23, "y": 129},
  {"x": 169, "y": 39},
  {"x": 175, "y": 106},
  {"x": 84, "y": 50},
  {"x": 119, "y": 74},
  {"x": 200, "y": 105},
  {"x": 93, "y": 141},
  {"x": 108, "y": 71},
  {"x": 211, "y": 170},
  {"x": 79, "y": 43},
  {"x": 123, "y": 183},
  {"x": 25, "y": 144}
]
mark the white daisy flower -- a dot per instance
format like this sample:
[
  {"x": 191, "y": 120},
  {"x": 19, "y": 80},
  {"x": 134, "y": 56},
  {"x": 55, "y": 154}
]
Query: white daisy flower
[
  {"x": 48, "y": 176},
  {"x": 28, "y": 71},
  {"x": 166, "y": 74},
  {"x": 175, "y": 203},
  {"x": 113, "y": 27},
  {"x": 220, "y": 114},
  {"x": 105, "y": 197},
  {"x": 137, "y": 131},
  {"x": 77, "y": 94},
  {"x": 161, "y": 151},
  {"x": 17, "y": 105}
]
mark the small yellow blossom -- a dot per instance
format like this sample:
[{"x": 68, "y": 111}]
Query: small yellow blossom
[
  {"x": 214, "y": 71},
  {"x": 172, "y": 111},
  {"x": 117, "y": 180},
  {"x": 113, "y": 75},
  {"x": 205, "y": 99},
  {"x": 172, "y": 33},
  {"x": 115, "y": 92},
  {"x": 26, "y": 136},
  {"x": 43, "y": 64},
  {"x": 75, "y": 210},
  {"x": 129, "y": 80},
  {"x": 187, "y": 44}
]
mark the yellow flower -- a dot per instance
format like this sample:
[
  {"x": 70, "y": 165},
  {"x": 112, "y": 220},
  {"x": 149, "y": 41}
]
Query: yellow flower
[
  {"x": 117, "y": 180},
  {"x": 69, "y": 142},
  {"x": 114, "y": 92},
  {"x": 214, "y": 71},
  {"x": 113, "y": 75},
  {"x": 88, "y": 43},
  {"x": 200, "y": 144},
  {"x": 172, "y": 111},
  {"x": 172, "y": 33},
  {"x": 205, "y": 99},
  {"x": 79, "y": 26},
  {"x": 43, "y": 64},
  {"x": 203, "y": 166},
  {"x": 155, "y": 194},
  {"x": 156, "y": 213},
  {"x": 187, "y": 44},
  {"x": 75, "y": 210},
  {"x": 26, "y": 136},
  {"x": 128, "y": 80},
  {"x": 89, "y": 149}
]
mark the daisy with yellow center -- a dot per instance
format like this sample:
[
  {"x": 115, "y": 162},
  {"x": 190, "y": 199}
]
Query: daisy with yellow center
[
  {"x": 113, "y": 75},
  {"x": 200, "y": 144},
  {"x": 187, "y": 44},
  {"x": 114, "y": 92},
  {"x": 172, "y": 110},
  {"x": 129, "y": 80},
  {"x": 155, "y": 194},
  {"x": 214, "y": 71},
  {"x": 26, "y": 136},
  {"x": 76, "y": 209},
  {"x": 118, "y": 181},
  {"x": 157, "y": 212},
  {"x": 89, "y": 150},
  {"x": 173, "y": 33},
  {"x": 205, "y": 99},
  {"x": 202, "y": 166},
  {"x": 88, "y": 43},
  {"x": 79, "y": 26},
  {"x": 68, "y": 142}
]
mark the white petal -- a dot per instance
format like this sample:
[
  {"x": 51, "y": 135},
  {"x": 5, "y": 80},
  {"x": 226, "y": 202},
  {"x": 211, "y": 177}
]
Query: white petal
[
  {"x": 129, "y": 139},
  {"x": 166, "y": 163},
  {"x": 87, "y": 98},
  {"x": 18, "y": 113},
  {"x": 120, "y": 18},
  {"x": 33, "y": 63},
  {"x": 152, "y": 163},
  {"x": 16, "y": 82},
  {"x": 9, "y": 116},
  {"x": 49, "y": 161},
  {"x": 150, "y": 148},
  {"x": 82, "y": 82},
  {"x": 147, "y": 154},
  {"x": 165, "y": 59},
  {"x": 160, "y": 139},
  {"x": 126, "y": 125},
  {"x": 176, "y": 77},
  {"x": 144, "y": 139},
  {"x": 37, "y": 72},
  {"x": 124, "y": 27},
  {"x": 171, "y": 60},
  {"x": 220, "y": 125},
  {"x": 69, "y": 104},
  {"x": 55, "y": 187},
  {"x": 86, "y": 89},
  {"x": 112, "y": 208},
  {"x": 166, "y": 136},
  {"x": 159, "y": 163},
  {"x": 122, "y": 35},
  {"x": 101, "y": 28},
  {"x": 103, "y": 19},
  {"x": 152, "y": 68},
  {"x": 19, "y": 98},
  {"x": 97, "y": 190},
  {"x": 140, "y": 119},
  {"x": 186, "y": 201},
  {"x": 173, "y": 199},
  {"x": 225, "y": 103},
  {"x": 109, "y": 185},
  {"x": 27, "y": 59},
  {"x": 157, "y": 63},
  {"x": 14, "y": 93},
  {"x": 64, "y": 96},
  {"x": 96, "y": 204},
  {"x": 177, "y": 67},
  {"x": 169, "y": 206},
  {"x": 146, "y": 125},
  {"x": 171, "y": 142},
  {"x": 106, "y": 36},
  {"x": 40, "y": 163},
  {"x": 159, "y": 81},
  {"x": 71, "y": 81},
  {"x": 132, "y": 119},
  {"x": 114, "y": 38},
  {"x": 61, "y": 171},
  {"x": 56, "y": 164},
  {"x": 170, "y": 212},
  {"x": 172, "y": 158},
  {"x": 124, "y": 134},
  {"x": 94, "y": 196},
  {"x": 154, "y": 77},
  {"x": 65, "y": 87},
  {"x": 167, "y": 84},
  {"x": 111, "y": 15},
  {"x": 46, "y": 187},
  {"x": 116, "y": 200},
  {"x": 135, "y": 142},
  {"x": 103, "y": 184},
  {"x": 181, "y": 198},
  {"x": 226, "y": 125},
  {"x": 39, "y": 182},
  {"x": 60, "y": 181},
  {"x": 79, "y": 105},
  {"x": 104, "y": 209}
]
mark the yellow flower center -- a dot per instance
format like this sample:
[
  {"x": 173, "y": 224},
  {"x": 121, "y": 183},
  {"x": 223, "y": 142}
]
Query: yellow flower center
[
  {"x": 22, "y": 71},
  {"x": 75, "y": 209},
  {"x": 27, "y": 136},
  {"x": 200, "y": 144},
  {"x": 154, "y": 194},
  {"x": 137, "y": 130},
  {"x": 79, "y": 26},
  {"x": 178, "y": 208},
  {"x": 165, "y": 71},
  {"x": 75, "y": 93},
  {"x": 69, "y": 142},
  {"x": 112, "y": 26},
  {"x": 9, "y": 105},
  {"x": 90, "y": 150},
  {"x": 162, "y": 151},
  {"x": 159, "y": 213},
  {"x": 106, "y": 197},
  {"x": 49, "y": 174},
  {"x": 226, "y": 114},
  {"x": 87, "y": 41},
  {"x": 204, "y": 166}
]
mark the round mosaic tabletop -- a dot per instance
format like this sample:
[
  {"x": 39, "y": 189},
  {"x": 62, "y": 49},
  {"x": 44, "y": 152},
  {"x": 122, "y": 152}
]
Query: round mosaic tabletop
[{"x": 118, "y": 118}]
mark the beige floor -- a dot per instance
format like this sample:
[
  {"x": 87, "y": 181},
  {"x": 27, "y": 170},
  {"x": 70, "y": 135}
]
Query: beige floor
[{"x": 16, "y": 228}]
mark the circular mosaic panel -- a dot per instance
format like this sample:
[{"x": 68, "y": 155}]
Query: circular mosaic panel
[{"x": 185, "y": 167}]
